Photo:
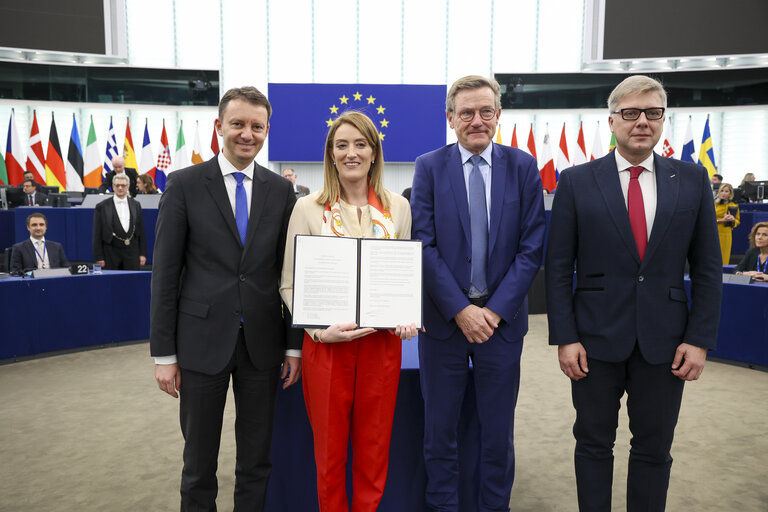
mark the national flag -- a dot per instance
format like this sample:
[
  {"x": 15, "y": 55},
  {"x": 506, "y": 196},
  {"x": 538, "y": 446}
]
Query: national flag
[
  {"x": 111, "y": 148},
  {"x": 612, "y": 143},
  {"x": 686, "y": 154},
  {"x": 163, "y": 161},
  {"x": 147, "y": 164},
  {"x": 181, "y": 158},
  {"x": 35, "y": 157},
  {"x": 513, "y": 143},
  {"x": 93, "y": 165},
  {"x": 215, "y": 141},
  {"x": 706, "y": 151},
  {"x": 3, "y": 171},
  {"x": 74, "y": 165},
  {"x": 197, "y": 152},
  {"x": 667, "y": 150},
  {"x": 547, "y": 164},
  {"x": 531, "y": 143},
  {"x": 498, "y": 134},
  {"x": 563, "y": 160},
  {"x": 597, "y": 148},
  {"x": 404, "y": 116},
  {"x": 13, "y": 155},
  {"x": 128, "y": 153},
  {"x": 580, "y": 156},
  {"x": 55, "y": 174}
]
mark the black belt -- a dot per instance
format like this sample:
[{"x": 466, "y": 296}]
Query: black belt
[{"x": 479, "y": 301}]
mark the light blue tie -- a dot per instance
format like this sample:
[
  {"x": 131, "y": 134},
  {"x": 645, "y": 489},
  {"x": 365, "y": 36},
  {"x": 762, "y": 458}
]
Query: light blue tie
[
  {"x": 478, "y": 216},
  {"x": 241, "y": 206}
]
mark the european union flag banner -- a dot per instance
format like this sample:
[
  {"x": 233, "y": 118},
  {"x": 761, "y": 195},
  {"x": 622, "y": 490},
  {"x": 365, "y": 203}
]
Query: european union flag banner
[{"x": 410, "y": 118}]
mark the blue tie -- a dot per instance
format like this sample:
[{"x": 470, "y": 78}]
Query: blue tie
[
  {"x": 478, "y": 216},
  {"x": 241, "y": 206}
]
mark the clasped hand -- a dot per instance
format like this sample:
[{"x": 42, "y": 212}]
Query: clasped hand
[
  {"x": 477, "y": 323},
  {"x": 339, "y": 333}
]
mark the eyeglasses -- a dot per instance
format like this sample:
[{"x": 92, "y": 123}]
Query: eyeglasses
[
  {"x": 632, "y": 114},
  {"x": 119, "y": 185},
  {"x": 486, "y": 114}
]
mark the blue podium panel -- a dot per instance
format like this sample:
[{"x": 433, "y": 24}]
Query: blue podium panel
[
  {"x": 292, "y": 485},
  {"x": 743, "y": 332},
  {"x": 48, "y": 314}
]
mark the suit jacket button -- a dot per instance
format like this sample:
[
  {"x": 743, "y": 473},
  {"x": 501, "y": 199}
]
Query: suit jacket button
[
  {"x": 641, "y": 279},
  {"x": 242, "y": 277},
  {"x": 236, "y": 312},
  {"x": 469, "y": 259},
  {"x": 464, "y": 291}
]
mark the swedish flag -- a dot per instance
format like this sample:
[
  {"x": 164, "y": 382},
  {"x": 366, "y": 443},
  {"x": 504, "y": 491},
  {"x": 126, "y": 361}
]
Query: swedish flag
[{"x": 706, "y": 152}]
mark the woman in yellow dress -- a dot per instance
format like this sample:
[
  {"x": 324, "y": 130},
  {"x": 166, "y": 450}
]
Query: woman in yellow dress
[{"x": 728, "y": 217}]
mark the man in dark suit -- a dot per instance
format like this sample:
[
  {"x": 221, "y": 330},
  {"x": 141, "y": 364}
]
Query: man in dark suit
[
  {"x": 31, "y": 196},
  {"x": 119, "y": 240},
  {"x": 300, "y": 190},
  {"x": 628, "y": 222},
  {"x": 478, "y": 208},
  {"x": 216, "y": 311},
  {"x": 118, "y": 167},
  {"x": 37, "y": 252}
]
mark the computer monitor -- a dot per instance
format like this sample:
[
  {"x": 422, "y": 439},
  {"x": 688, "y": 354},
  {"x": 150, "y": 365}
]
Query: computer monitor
[
  {"x": 47, "y": 189},
  {"x": 15, "y": 197},
  {"x": 756, "y": 191}
]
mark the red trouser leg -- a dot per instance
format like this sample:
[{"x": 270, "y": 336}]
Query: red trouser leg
[
  {"x": 378, "y": 374},
  {"x": 328, "y": 382}
]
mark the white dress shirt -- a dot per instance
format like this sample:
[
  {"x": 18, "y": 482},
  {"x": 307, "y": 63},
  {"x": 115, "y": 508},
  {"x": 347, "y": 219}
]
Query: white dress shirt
[
  {"x": 123, "y": 212},
  {"x": 41, "y": 254},
  {"x": 647, "y": 180}
]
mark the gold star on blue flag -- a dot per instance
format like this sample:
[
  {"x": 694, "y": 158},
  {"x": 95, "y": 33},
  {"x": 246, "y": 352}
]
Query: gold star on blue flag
[{"x": 414, "y": 123}]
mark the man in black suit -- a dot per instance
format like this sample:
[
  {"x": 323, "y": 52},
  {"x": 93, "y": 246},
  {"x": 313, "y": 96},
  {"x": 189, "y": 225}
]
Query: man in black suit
[
  {"x": 119, "y": 240},
  {"x": 216, "y": 311},
  {"x": 31, "y": 196},
  {"x": 300, "y": 190},
  {"x": 628, "y": 222},
  {"x": 118, "y": 166},
  {"x": 37, "y": 252}
]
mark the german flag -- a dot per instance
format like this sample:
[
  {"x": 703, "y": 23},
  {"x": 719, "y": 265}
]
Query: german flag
[{"x": 55, "y": 174}]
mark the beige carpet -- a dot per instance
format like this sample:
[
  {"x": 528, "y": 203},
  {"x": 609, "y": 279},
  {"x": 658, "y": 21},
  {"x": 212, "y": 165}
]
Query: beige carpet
[{"x": 90, "y": 431}]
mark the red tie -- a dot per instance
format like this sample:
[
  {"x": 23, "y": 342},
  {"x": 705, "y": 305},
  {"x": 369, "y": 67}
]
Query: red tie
[{"x": 637, "y": 211}]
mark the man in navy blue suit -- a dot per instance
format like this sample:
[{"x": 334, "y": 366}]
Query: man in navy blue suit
[
  {"x": 478, "y": 209},
  {"x": 36, "y": 251},
  {"x": 628, "y": 222}
]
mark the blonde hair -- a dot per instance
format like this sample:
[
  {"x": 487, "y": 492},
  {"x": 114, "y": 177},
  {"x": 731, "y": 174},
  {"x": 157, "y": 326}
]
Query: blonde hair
[
  {"x": 636, "y": 84},
  {"x": 723, "y": 185},
  {"x": 331, "y": 187}
]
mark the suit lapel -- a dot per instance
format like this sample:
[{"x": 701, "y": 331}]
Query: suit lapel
[
  {"x": 607, "y": 178},
  {"x": 498, "y": 191},
  {"x": 259, "y": 194},
  {"x": 453, "y": 166},
  {"x": 217, "y": 189},
  {"x": 667, "y": 189},
  {"x": 109, "y": 214}
]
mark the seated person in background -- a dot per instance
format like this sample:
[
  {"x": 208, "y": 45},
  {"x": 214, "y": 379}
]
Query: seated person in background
[
  {"x": 29, "y": 175},
  {"x": 146, "y": 184},
  {"x": 739, "y": 195},
  {"x": 727, "y": 213},
  {"x": 716, "y": 180},
  {"x": 118, "y": 164},
  {"x": 755, "y": 262},
  {"x": 31, "y": 196},
  {"x": 37, "y": 252}
]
